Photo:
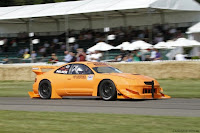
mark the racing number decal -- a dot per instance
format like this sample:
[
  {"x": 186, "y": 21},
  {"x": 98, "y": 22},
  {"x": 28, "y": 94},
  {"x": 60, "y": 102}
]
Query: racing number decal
[{"x": 79, "y": 77}]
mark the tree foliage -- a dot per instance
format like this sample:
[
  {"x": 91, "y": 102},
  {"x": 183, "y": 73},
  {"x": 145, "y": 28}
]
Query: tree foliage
[{"x": 4, "y": 3}]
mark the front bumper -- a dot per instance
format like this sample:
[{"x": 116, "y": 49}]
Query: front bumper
[
  {"x": 128, "y": 95},
  {"x": 147, "y": 91}
]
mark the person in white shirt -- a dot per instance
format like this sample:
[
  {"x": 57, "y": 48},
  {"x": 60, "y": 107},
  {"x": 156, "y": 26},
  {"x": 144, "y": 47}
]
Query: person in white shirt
[
  {"x": 68, "y": 57},
  {"x": 96, "y": 57},
  {"x": 46, "y": 44},
  {"x": 89, "y": 56},
  {"x": 180, "y": 57},
  {"x": 153, "y": 54}
]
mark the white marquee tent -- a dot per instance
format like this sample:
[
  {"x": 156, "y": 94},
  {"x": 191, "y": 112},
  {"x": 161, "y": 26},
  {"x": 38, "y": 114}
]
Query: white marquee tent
[
  {"x": 123, "y": 46},
  {"x": 89, "y": 6},
  {"x": 134, "y": 46},
  {"x": 96, "y": 14},
  {"x": 181, "y": 42},
  {"x": 140, "y": 45},
  {"x": 194, "y": 29},
  {"x": 101, "y": 46},
  {"x": 194, "y": 32}
]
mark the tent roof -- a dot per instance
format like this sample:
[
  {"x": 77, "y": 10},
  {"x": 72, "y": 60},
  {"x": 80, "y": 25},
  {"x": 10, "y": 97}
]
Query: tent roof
[
  {"x": 184, "y": 5},
  {"x": 89, "y": 6},
  {"x": 194, "y": 29}
]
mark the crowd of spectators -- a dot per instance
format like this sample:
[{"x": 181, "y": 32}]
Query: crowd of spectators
[
  {"x": 138, "y": 55},
  {"x": 80, "y": 55},
  {"x": 130, "y": 34},
  {"x": 57, "y": 43}
]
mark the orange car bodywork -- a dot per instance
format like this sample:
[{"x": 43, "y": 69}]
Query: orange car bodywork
[{"x": 128, "y": 86}]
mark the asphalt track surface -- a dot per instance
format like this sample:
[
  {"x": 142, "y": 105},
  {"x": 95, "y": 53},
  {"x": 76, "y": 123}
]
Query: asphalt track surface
[{"x": 165, "y": 107}]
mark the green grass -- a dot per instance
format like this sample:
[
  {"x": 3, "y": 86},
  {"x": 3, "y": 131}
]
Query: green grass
[
  {"x": 15, "y": 88},
  {"x": 187, "y": 88},
  {"x": 59, "y": 122}
]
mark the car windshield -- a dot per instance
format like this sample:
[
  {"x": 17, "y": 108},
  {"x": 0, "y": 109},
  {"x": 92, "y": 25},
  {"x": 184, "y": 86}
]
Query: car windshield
[{"x": 106, "y": 70}]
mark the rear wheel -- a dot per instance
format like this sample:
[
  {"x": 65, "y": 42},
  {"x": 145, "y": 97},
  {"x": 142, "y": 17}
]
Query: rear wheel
[
  {"x": 107, "y": 90},
  {"x": 45, "y": 89}
]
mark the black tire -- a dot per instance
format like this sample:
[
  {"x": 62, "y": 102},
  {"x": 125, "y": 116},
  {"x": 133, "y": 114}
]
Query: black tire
[
  {"x": 107, "y": 90},
  {"x": 45, "y": 89}
]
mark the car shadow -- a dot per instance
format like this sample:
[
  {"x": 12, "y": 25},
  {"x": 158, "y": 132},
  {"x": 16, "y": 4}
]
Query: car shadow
[{"x": 96, "y": 98}]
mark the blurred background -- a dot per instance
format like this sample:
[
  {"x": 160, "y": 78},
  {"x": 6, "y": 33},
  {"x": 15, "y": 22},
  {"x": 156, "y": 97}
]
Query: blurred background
[{"x": 156, "y": 38}]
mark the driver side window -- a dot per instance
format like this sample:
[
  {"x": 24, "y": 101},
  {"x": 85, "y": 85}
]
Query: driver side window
[
  {"x": 63, "y": 70},
  {"x": 81, "y": 69}
]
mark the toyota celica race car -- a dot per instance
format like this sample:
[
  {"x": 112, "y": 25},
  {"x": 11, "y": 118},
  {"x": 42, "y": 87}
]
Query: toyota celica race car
[{"x": 93, "y": 79}]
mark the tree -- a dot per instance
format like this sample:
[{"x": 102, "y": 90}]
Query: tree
[
  {"x": 198, "y": 1},
  {"x": 4, "y": 3},
  {"x": 7, "y": 3}
]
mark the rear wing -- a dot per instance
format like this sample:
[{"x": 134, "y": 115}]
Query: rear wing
[{"x": 38, "y": 69}]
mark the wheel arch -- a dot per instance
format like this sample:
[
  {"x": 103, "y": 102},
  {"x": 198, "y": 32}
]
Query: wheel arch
[
  {"x": 100, "y": 83},
  {"x": 44, "y": 80}
]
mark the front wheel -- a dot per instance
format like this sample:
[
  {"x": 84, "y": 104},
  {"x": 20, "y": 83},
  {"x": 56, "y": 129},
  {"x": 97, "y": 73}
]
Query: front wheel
[
  {"x": 45, "y": 89},
  {"x": 107, "y": 90}
]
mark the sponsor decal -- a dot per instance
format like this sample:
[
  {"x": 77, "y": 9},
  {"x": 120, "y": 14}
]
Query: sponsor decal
[
  {"x": 79, "y": 77},
  {"x": 90, "y": 77},
  {"x": 62, "y": 72},
  {"x": 68, "y": 66},
  {"x": 35, "y": 68}
]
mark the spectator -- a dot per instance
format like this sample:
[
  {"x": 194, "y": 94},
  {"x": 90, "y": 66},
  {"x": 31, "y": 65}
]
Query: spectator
[
  {"x": 89, "y": 56},
  {"x": 125, "y": 59},
  {"x": 129, "y": 58},
  {"x": 180, "y": 57},
  {"x": 68, "y": 57},
  {"x": 136, "y": 55},
  {"x": 14, "y": 43},
  {"x": 81, "y": 55},
  {"x": 53, "y": 59},
  {"x": 158, "y": 38},
  {"x": 158, "y": 55},
  {"x": 118, "y": 58},
  {"x": 26, "y": 55},
  {"x": 123, "y": 53},
  {"x": 5, "y": 60},
  {"x": 46, "y": 44},
  {"x": 153, "y": 54},
  {"x": 33, "y": 55},
  {"x": 73, "y": 57},
  {"x": 42, "y": 50},
  {"x": 63, "y": 46},
  {"x": 26, "y": 49},
  {"x": 55, "y": 40},
  {"x": 21, "y": 52},
  {"x": 147, "y": 58},
  {"x": 96, "y": 56}
]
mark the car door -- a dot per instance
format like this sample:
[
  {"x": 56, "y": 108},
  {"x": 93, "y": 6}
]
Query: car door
[
  {"x": 81, "y": 80},
  {"x": 60, "y": 79}
]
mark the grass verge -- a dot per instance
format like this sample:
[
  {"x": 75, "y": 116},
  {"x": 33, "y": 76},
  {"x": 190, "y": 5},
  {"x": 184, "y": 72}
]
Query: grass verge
[
  {"x": 15, "y": 88},
  {"x": 50, "y": 122},
  {"x": 177, "y": 88}
]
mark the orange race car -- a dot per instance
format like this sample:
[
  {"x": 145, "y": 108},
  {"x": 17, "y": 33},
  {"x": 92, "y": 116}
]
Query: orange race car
[{"x": 93, "y": 79}]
